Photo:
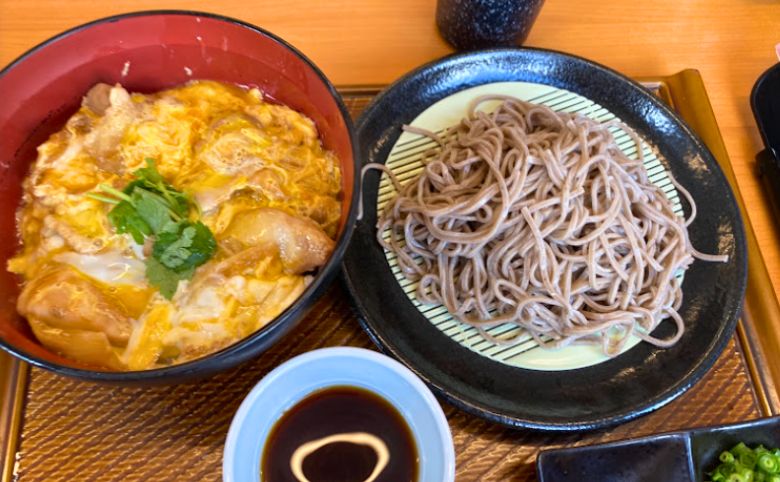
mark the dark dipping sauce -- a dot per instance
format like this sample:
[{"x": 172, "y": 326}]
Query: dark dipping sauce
[{"x": 333, "y": 411}]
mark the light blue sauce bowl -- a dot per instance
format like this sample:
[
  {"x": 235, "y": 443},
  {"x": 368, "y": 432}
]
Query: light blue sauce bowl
[{"x": 292, "y": 381}]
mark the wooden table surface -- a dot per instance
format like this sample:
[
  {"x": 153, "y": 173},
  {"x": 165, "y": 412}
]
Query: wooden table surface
[{"x": 375, "y": 41}]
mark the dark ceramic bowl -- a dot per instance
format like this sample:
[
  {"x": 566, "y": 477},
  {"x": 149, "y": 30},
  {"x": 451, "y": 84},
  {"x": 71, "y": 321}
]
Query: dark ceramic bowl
[
  {"x": 686, "y": 456},
  {"x": 146, "y": 52},
  {"x": 637, "y": 382}
]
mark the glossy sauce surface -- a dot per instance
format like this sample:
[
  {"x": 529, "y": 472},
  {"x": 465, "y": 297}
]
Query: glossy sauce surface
[{"x": 339, "y": 434}]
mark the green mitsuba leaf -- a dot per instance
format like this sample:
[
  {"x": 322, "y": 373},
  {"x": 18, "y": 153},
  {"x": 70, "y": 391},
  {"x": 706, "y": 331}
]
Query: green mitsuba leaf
[
  {"x": 126, "y": 219},
  {"x": 165, "y": 279},
  {"x": 150, "y": 207}
]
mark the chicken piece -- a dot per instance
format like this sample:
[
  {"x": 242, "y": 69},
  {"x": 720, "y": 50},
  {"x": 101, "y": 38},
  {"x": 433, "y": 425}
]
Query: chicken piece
[
  {"x": 89, "y": 347},
  {"x": 323, "y": 209},
  {"x": 118, "y": 112},
  {"x": 300, "y": 244},
  {"x": 97, "y": 99},
  {"x": 70, "y": 314},
  {"x": 89, "y": 242}
]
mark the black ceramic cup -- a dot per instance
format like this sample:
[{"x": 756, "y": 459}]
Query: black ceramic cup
[{"x": 478, "y": 24}]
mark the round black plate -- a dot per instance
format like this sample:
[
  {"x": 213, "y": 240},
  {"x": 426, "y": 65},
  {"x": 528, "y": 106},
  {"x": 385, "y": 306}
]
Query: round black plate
[{"x": 634, "y": 383}]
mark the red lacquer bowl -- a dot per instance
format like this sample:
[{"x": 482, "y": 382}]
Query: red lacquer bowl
[{"x": 146, "y": 52}]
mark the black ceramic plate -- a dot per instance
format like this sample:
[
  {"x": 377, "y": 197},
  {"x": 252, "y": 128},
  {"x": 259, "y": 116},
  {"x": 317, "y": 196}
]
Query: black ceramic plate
[
  {"x": 634, "y": 383},
  {"x": 686, "y": 456}
]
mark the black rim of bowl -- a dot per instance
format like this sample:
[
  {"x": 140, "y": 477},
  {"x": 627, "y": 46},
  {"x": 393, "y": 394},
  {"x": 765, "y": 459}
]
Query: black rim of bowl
[
  {"x": 696, "y": 371},
  {"x": 246, "y": 348}
]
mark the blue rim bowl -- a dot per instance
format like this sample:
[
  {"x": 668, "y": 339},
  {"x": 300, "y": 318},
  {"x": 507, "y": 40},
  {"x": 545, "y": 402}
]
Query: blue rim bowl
[{"x": 293, "y": 380}]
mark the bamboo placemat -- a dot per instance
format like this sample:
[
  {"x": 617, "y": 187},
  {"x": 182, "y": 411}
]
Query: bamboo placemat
[{"x": 73, "y": 430}]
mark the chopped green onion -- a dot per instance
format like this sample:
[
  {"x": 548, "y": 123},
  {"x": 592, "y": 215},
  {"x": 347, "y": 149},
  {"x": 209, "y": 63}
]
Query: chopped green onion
[
  {"x": 747, "y": 459},
  {"x": 743, "y": 464},
  {"x": 768, "y": 463}
]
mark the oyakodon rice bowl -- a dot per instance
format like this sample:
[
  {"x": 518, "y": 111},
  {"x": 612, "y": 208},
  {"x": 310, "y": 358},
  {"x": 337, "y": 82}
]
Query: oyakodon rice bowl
[
  {"x": 160, "y": 228},
  {"x": 174, "y": 213}
]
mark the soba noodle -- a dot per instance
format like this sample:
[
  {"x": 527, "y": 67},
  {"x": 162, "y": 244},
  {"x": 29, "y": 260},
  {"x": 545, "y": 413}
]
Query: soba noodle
[{"x": 538, "y": 219}]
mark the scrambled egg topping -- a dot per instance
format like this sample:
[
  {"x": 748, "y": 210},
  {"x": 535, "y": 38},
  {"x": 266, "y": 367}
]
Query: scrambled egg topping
[{"x": 265, "y": 187}]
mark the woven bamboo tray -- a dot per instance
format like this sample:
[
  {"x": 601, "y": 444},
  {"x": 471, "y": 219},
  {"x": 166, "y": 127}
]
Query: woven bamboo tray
[{"x": 57, "y": 429}]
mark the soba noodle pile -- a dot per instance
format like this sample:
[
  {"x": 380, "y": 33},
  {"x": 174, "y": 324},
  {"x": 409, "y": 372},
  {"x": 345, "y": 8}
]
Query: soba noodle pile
[{"x": 537, "y": 218}]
